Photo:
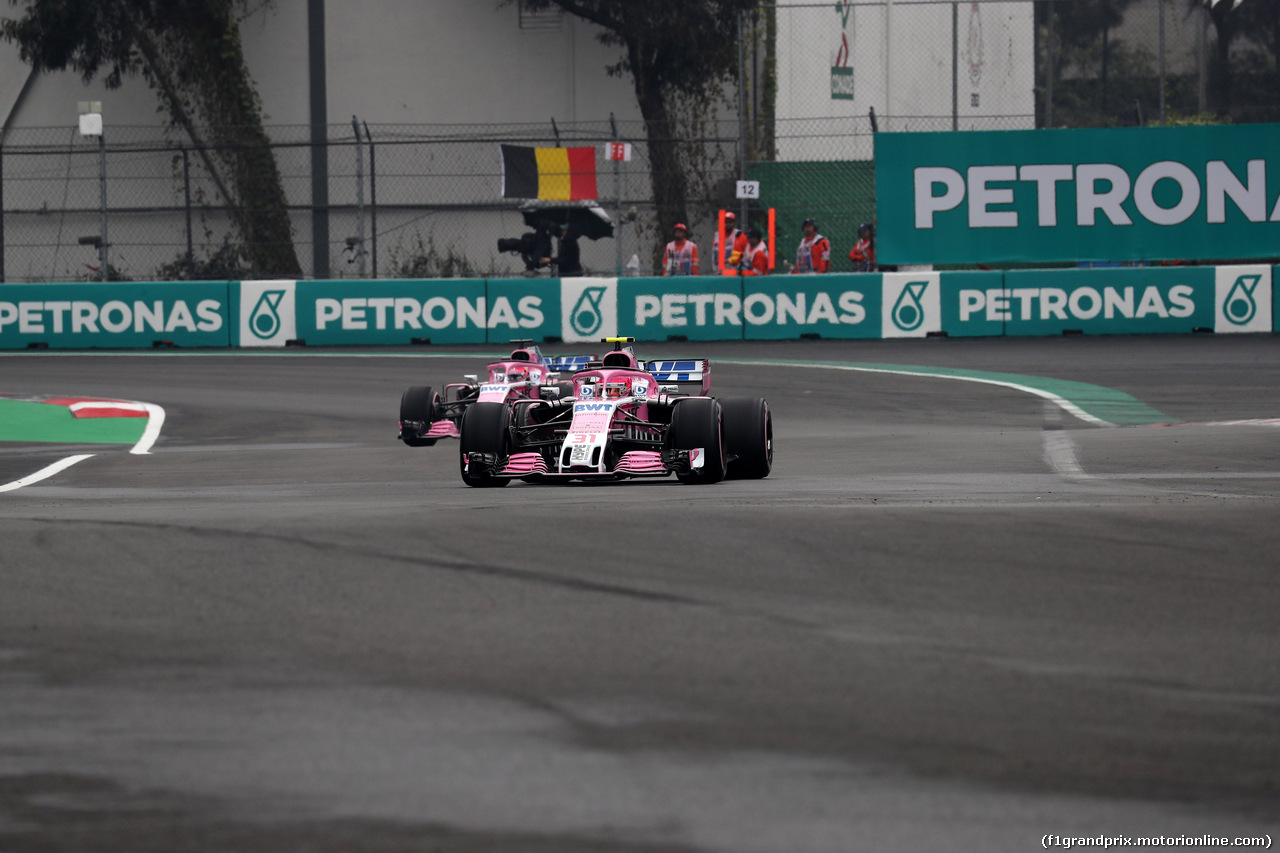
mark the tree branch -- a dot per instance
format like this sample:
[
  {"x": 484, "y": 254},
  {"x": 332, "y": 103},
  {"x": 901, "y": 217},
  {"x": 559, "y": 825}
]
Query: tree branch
[{"x": 179, "y": 114}]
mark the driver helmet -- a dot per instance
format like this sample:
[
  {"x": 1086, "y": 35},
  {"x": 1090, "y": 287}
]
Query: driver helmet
[
  {"x": 517, "y": 374},
  {"x": 617, "y": 389}
]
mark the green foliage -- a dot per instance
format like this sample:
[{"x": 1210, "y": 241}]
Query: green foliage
[
  {"x": 229, "y": 262},
  {"x": 189, "y": 52},
  {"x": 93, "y": 273},
  {"x": 422, "y": 259},
  {"x": 674, "y": 50},
  {"x": 1177, "y": 119}
]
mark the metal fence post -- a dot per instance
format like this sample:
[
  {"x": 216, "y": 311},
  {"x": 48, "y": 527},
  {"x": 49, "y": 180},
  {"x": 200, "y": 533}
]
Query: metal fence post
[
  {"x": 102, "y": 186},
  {"x": 319, "y": 104},
  {"x": 955, "y": 65},
  {"x": 186, "y": 202},
  {"x": 359, "y": 247},
  {"x": 373, "y": 199},
  {"x": 742, "y": 118},
  {"x": 1160, "y": 3},
  {"x": 617, "y": 203},
  {"x": 1, "y": 213},
  {"x": 1202, "y": 60},
  {"x": 1048, "y": 95}
]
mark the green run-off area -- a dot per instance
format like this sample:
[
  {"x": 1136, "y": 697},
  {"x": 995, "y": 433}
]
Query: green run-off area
[{"x": 26, "y": 421}]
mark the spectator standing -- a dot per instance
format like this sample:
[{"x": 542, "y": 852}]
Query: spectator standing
[
  {"x": 863, "y": 253},
  {"x": 814, "y": 252},
  {"x": 681, "y": 255}
]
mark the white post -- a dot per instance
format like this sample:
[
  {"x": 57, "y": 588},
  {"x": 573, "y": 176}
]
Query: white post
[{"x": 91, "y": 125}]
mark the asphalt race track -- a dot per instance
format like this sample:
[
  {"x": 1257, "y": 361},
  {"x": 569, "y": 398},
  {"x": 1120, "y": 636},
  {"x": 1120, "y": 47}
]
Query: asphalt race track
[{"x": 956, "y": 618}]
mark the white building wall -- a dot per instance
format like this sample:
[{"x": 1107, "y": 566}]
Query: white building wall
[
  {"x": 905, "y": 74},
  {"x": 388, "y": 61}
]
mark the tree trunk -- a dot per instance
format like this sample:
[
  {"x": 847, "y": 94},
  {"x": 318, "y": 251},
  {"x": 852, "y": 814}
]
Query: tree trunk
[
  {"x": 208, "y": 66},
  {"x": 1220, "y": 78},
  {"x": 665, "y": 174},
  {"x": 232, "y": 106}
]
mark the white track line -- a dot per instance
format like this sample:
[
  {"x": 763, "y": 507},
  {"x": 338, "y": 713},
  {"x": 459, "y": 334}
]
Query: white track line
[
  {"x": 45, "y": 472},
  {"x": 1061, "y": 402},
  {"x": 1060, "y": 454},
  {"x": 155, "y": 422}
]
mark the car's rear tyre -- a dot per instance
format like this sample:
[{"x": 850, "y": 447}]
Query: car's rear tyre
[
  {"x": 421, "y": 404},
  {"x": 696, "y": 423},
  {"x": 748, "y": 437},
  {"x": 486, "y": 429}
]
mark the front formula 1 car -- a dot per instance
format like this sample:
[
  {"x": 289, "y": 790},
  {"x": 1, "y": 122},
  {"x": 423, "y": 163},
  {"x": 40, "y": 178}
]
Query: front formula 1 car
[
  {"x": 428, "y": 415},
  {"x": 624, "y": 419}
]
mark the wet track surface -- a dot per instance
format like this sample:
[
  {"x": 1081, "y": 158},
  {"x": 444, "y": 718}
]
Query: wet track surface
[{"x": 955, "y": 617}]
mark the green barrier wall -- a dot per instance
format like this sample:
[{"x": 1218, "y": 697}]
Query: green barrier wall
[
  {"x": 387, "y": 311},
  {"x": 962, "y": 293},
  {"x": 114, "y": 314},
  {"x": 830, "y": 306},
  {"x": 1101, "y": 302},
  {"x": 1115, "y": 301},
  {"x": 522, "y": 308},
  {"x": 699, "y": 308},
  {"x": 1109, "y": 194}
]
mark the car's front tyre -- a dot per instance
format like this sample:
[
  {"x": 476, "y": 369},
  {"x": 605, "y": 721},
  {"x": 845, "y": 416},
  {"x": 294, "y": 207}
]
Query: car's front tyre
[
  {"x": 696, "y": 424},
  {"x": 419, "y": 404},
  {"x": 485, "y": 429},
  {"x": 748, "y": 437}
]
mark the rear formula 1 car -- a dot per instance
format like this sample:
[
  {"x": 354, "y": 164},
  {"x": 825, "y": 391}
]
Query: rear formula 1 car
[
  {"x": 624, "y": 419},
  {"x": 428, "y": 415}
]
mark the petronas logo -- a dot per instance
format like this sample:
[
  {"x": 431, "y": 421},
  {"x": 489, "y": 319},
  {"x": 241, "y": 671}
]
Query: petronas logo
[
  {"x": 264, "y": 322},
  {"x": 908, "y": 311},
  {"x": 586, "y": 317},
  {"x": 1240, "y": 306}
]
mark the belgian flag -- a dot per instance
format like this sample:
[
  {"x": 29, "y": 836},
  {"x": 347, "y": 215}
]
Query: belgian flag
[{"x": 555, "y": 174}]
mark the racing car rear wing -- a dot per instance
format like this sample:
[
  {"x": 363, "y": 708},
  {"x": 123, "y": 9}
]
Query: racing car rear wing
[
  {"x": 690, "y": 375},
  {"x": 568, "y": 363}
]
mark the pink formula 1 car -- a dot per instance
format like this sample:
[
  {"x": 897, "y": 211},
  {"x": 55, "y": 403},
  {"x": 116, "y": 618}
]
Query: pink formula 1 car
[
  {"x": 427, "y": 415},
  {"x": 623, "y": 418}
]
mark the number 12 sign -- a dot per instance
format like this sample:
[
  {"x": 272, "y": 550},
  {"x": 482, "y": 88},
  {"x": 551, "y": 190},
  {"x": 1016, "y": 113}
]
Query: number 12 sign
[{"x": 749, "y": 189}]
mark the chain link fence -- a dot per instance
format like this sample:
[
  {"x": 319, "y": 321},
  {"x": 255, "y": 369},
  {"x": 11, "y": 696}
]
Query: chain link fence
[{"x": 415, "y": 201}]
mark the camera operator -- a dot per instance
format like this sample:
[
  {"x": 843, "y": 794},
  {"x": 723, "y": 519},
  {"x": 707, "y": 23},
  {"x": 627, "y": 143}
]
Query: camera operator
[
  {"x": 569, "y": 261},
  {"x": 533, "y": 247}
]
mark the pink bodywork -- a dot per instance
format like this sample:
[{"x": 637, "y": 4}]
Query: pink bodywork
[
  {"x": 611, "y": 402},
  {"x": 602, "y": 395},
  {"x": 500, "y": 389}
]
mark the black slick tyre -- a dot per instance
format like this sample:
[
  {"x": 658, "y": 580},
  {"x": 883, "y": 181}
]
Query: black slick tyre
[
  {"x": 695, "y": 423},
  {"x": 485, "y": 429},
  {"x": 420, "y": 404},
  {"x": 748, "y": 438}
]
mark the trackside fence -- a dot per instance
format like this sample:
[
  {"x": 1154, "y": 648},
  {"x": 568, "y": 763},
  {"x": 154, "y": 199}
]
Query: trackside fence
[{"x": 390, "y": 312}]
